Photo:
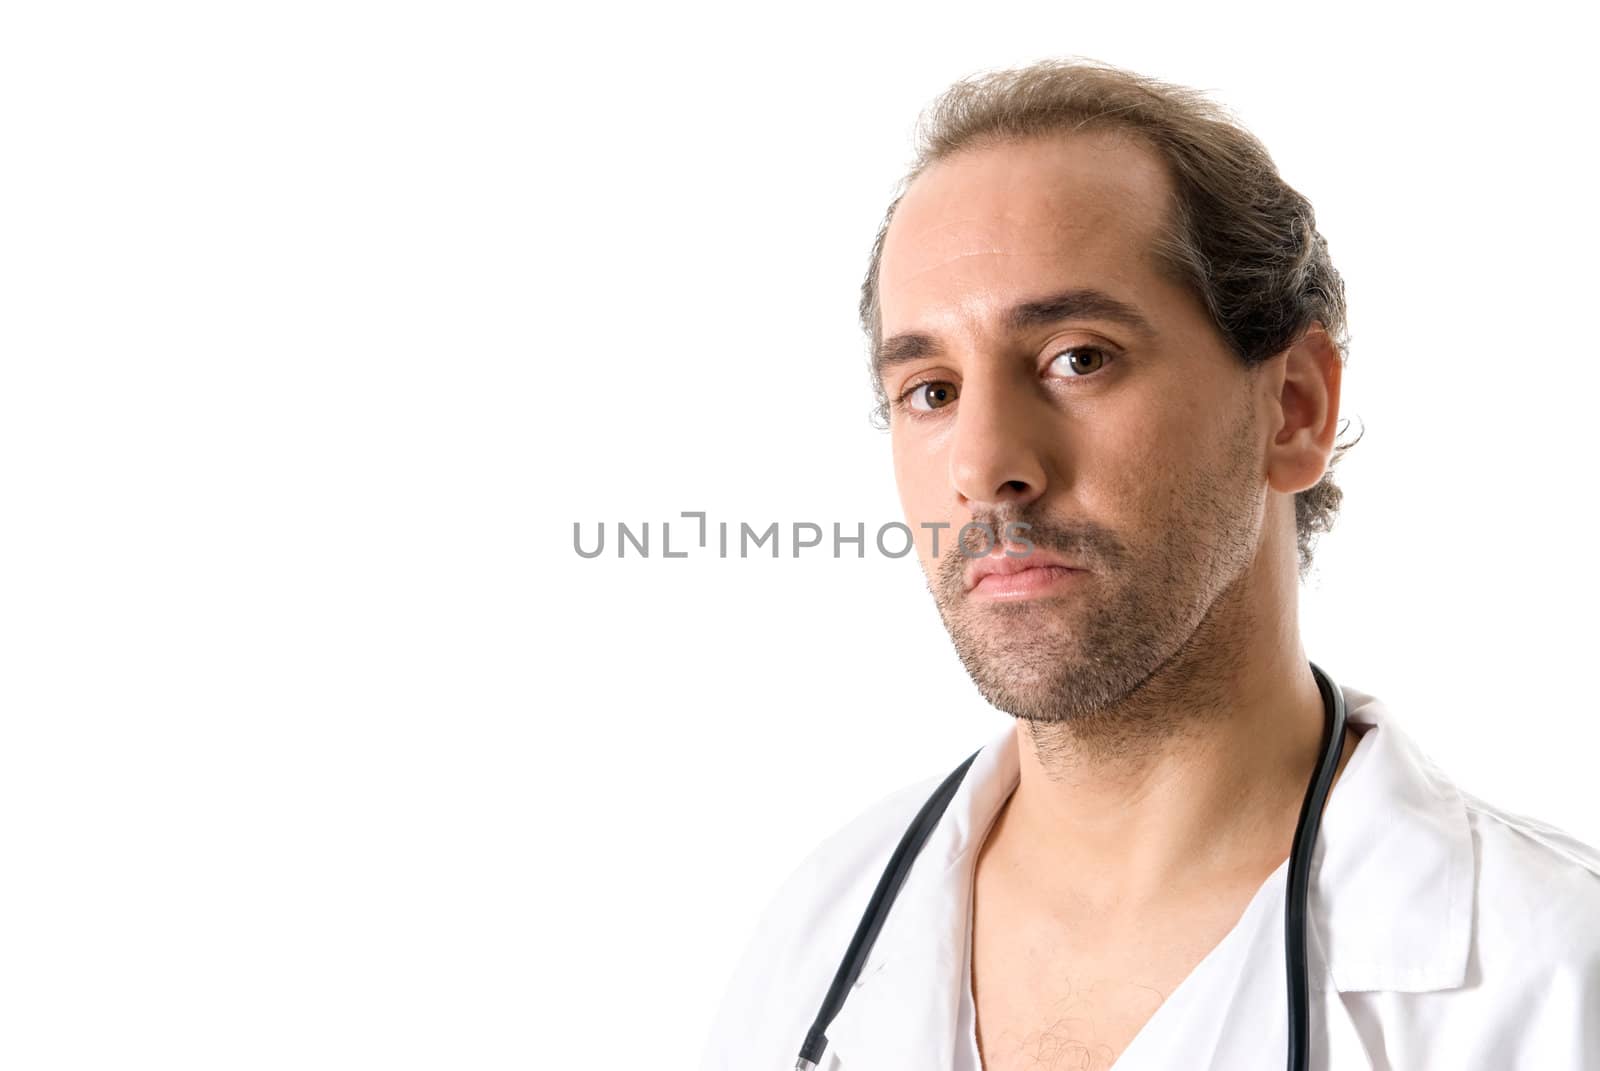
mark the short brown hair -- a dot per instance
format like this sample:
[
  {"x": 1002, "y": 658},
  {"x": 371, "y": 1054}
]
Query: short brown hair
[{"x": 1241, "y": 239}]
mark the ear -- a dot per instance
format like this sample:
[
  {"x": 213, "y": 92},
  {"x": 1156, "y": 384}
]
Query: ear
[{"x": 1305, "y": 389}]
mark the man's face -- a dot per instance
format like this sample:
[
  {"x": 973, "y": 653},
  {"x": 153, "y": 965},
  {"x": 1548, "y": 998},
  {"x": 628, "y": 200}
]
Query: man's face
[{"x": 1114, "y": 421}]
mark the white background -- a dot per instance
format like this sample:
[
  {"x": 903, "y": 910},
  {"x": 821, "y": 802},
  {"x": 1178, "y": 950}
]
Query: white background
[{"x": 323, "y": 323}]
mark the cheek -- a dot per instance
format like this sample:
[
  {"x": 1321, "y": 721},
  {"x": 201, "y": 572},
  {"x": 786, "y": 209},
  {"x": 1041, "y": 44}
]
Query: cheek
[
  {"x": 1190, "y": 468},
  {"x": 1140, "y": 460}
]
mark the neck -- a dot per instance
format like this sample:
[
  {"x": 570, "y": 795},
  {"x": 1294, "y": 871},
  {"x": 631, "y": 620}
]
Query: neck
[{"x": 1202, "y": 786}]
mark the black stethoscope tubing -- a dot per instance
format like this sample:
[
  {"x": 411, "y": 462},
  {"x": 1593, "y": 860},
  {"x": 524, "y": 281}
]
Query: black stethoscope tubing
[{"x": 1299, "y": 884}]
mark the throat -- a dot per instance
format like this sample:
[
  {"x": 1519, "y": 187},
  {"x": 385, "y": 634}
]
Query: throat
[{"x": 1204, "y": 810}]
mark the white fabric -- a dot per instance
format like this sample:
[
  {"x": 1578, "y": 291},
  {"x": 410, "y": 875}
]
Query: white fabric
[{"x": 1444, "y": 934}]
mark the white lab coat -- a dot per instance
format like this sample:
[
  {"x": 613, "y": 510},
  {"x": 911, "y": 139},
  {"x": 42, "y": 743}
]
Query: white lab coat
[{"x": 1444, "y": 934}]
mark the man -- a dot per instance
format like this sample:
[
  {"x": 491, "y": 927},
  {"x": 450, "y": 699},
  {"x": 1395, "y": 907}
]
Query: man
[{"x": 1096, "y": 310}]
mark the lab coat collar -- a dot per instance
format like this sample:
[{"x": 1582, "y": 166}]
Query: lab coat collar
[
  {"x": 1391, "y": 901},
  {"x": 1395, "y": 865}
]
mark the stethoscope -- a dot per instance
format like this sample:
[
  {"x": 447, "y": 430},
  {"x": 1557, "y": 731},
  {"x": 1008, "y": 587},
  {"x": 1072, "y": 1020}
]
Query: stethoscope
[{"x": 1299, "y": 880}]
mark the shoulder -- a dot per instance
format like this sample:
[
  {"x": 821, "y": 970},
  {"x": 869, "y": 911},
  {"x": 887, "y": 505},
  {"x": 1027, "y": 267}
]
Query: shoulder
[
  {"x": 1538, "y": 887},
  {"x": 791, "y": 958},
  {"x": 853, "y": 855},
  {"x": 1530, "y": 998},
  {"x": 810, "y": 919}
]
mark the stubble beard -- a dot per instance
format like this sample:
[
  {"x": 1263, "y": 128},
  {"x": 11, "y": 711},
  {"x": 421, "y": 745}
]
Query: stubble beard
[{"x": 1139, "y": 650}]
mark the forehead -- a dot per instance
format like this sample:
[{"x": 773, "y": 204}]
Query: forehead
[{"x": 1004, "y": 221}]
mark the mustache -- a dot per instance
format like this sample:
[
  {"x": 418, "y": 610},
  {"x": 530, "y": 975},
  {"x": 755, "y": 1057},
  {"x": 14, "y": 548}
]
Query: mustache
[{"x": 1081, "y": 540}]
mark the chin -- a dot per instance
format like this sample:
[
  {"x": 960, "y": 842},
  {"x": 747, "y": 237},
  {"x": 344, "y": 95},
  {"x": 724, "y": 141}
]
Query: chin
[{"x": 1031, "y": 677}]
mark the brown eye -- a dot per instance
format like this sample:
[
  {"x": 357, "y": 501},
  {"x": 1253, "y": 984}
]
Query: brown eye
[
  {"x": 925, "y": 397},
  {"x": 1080, "y": 361}
]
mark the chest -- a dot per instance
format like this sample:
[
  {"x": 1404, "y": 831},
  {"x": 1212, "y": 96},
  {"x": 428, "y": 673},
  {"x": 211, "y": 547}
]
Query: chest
[{"x": 1063, "y": 994}]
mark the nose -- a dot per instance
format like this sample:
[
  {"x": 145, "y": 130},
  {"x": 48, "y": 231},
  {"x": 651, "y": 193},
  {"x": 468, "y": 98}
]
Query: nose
[{"x": 994, "y": 461}]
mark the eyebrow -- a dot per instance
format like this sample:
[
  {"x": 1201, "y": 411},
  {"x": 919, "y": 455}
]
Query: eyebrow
[{"x": 1078, "y": 304}]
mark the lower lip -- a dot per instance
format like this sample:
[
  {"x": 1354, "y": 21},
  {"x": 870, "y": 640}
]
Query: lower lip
[{"x": 1028, "y": 584}]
